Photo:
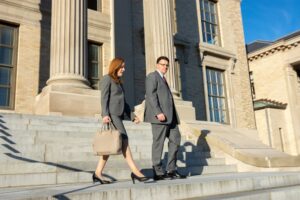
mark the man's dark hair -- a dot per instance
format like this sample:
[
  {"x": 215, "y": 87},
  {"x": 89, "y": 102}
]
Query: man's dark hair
[{"x": 162, "y": 58}]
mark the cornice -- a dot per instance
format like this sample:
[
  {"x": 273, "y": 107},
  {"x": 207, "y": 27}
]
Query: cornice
[
  {"x": 33, "y": 6},
  {"x": 280, "y": 46},
  {"x": 31, "y": 12}
]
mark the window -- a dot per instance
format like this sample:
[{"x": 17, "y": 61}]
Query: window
[
  {"x": 95, "y": 5},
  {"x": 209, "y": 22},
  {"x": 252, "y": 84},
  {"x": 7, "y": 65},
  {"x": 94, "y": 64},
  {"x": 216, "y": 95}
]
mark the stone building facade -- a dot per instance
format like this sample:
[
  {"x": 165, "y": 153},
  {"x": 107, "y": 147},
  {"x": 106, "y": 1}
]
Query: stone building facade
[
  {"x": 54, "y": 53},
  {"x": 275, "y": 77}
]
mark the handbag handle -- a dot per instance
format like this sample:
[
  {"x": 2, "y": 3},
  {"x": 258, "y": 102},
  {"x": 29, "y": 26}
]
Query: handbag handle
[{"x": 108, "y": 126}]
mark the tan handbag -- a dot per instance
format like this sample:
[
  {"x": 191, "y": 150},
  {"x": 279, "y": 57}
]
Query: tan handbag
[{"x": 107, "y": 141}]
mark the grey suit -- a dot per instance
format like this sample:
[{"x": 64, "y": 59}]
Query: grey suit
[
  {"x": 113, "y": 103},
  {"x": 160, "y": 100}
]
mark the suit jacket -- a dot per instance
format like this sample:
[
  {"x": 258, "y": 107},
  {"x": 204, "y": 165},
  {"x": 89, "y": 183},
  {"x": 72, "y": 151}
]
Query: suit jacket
[
  {"x": 159, "y": 99},
  {"x": 113, "y": 99}
]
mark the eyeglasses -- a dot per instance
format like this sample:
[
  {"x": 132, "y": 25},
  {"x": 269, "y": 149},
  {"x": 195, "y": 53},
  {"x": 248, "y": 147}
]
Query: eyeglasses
[{"x": 167, "y": 65}]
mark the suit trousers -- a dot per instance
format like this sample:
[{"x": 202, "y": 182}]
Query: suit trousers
[{"x": 160, "y": 133}]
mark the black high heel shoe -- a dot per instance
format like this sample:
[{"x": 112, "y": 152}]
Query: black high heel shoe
[
  {"x": 140, "y": 179},
  {"x": 97, "y": 179}
]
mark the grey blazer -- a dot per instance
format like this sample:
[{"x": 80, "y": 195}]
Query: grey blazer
[
  {"x": 113, "y": 99},
  {"x": 158, "y": 100}
]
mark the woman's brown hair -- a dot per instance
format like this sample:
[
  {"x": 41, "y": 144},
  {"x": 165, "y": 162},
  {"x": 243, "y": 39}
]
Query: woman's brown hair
[{"x": 114, "y": 67}]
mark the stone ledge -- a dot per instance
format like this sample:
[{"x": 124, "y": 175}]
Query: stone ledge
[{"x": 242, "y": 147}]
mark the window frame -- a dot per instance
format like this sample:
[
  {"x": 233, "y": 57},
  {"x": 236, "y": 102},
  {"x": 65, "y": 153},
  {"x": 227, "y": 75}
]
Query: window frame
[
  {"x": 12, "y": 66},
  {"x": 210, "y": 95},
  {"x": 204, "y": 23},
  {"x": 252, "y": 85},
  {"x": 99, "y": 62}
]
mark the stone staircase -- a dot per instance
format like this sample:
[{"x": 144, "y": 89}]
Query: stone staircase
[
  {"x": 50, "y": 157},
  {"x": 46, "y": 150}
]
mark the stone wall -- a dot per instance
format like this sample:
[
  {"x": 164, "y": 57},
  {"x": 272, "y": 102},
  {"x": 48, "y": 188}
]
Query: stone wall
[
  {"x": 275, "y": 78},
  {"x": 232, "y": 47},
  {"x": 233, "y": 39},
  {"x": 33, "y": 48}
]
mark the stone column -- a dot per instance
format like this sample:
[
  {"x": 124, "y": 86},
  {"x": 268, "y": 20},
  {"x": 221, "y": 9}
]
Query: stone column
[
  {"x": 159, "y": 42},
  {"x": 68, "y": 43},
  {"x": 159, "y": 37},
  {"x": 67, "y": 91}
]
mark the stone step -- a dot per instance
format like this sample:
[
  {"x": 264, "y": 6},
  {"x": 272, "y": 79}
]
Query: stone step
[
  {"x": 45, "y": 140},
  {"x": 14, "y": 116},
  {"x": 42, "y": 139},
  {"x": 18, "y": 139},
  {"x": 194, "y": 187},
  {"x": 61, "y": 121},
  {"x": 133, "y": 135},
  {"x": 69, "y": 126},
  {"x": 57, "y": 156},
  {"x": 87, "y": 147},
  {"x": 12, "y": 136},
  {"x": 25, "y": 167},
  {"x": 54, "y": 120},
  {"x": 275, "y": 193},
  {"x": 66, "y": 176},
  {"x": 18, "y": 148},
  {"x": 68, "y": 131}
]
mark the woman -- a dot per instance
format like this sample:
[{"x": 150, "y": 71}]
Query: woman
[{"x": 113, "y": 109}]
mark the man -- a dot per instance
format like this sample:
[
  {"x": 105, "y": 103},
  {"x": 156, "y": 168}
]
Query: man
[{"x": 161, "y": 113}]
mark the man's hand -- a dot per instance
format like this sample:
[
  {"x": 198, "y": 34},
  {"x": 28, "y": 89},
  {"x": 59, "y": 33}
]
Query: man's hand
[
  {"x": 161, "y": 117},
  {"x": 136, "y": 120},
  {"x": 106, "y": 119}
]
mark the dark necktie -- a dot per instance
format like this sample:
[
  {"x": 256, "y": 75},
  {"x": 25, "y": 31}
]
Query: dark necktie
[{"x": 166, "y": 82}]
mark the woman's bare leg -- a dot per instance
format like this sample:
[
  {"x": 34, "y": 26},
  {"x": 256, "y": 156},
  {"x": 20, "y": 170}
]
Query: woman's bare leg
[
  {"x": 101, "y": 164},
  {"x": 128, "y": 156}
]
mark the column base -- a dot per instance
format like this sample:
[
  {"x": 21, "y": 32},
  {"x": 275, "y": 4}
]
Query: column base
[
  {"x": 68, "y": 100},
  {"x": 185, "y": 110}
]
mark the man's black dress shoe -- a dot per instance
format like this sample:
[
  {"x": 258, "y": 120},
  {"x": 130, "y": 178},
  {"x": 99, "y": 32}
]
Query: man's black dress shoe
[
  {"x": 159, "y": 177},
  {"x": 175, "y": 175}
]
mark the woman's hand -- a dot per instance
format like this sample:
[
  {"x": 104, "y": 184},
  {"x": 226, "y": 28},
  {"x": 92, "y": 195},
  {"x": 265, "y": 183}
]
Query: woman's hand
[
  {"x": 106, "y": 119},
  {"x": 136, "y": 120}
]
